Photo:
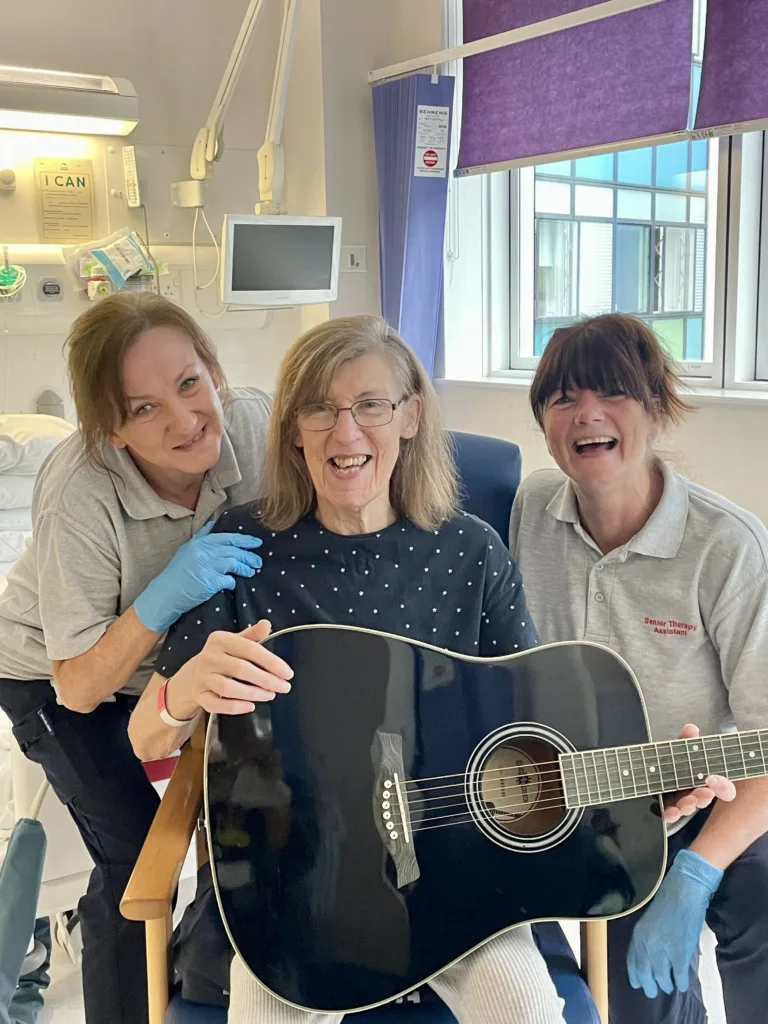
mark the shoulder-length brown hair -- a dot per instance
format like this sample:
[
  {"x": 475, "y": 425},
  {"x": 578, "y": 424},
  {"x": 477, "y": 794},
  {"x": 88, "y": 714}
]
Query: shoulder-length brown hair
[
  {"x": 96, "y": 347},
  {"x": 610, "y": 353},
  {"x": 424, "y": 484}
]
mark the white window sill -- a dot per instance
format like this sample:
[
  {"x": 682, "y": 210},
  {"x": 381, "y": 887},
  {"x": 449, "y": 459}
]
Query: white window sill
[{"x": 748, "y": 395}]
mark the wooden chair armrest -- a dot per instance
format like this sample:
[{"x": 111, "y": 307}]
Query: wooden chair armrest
[
  {"x": 594, "y": 961},
  {"x": 152, "y": 885}
]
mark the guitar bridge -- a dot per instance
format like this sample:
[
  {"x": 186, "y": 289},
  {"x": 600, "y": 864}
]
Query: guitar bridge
[{"x": 391, "y": 810}]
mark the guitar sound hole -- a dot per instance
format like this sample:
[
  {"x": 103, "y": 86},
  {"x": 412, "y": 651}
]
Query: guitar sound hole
[
  {"x": 520, "y": 787},
  {"x": 514, "y": 791}
]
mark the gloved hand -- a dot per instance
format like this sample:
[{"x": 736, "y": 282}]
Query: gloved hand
[
  {"x": 666, "y": 936},
  {"x": 199, "y": 569}
]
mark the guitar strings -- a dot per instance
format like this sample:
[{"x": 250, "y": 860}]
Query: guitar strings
[
  {"x": 528, "y": 770},
  {"x": 551, "y": 800},
  {"x": 511, "y": 808},
  {"x": 665, "y": 762},
  {"x": 420, "y": 804},
  {"x": 421, "y": 797},
  {"x": 721, "y": 739},
  {"x": 468, "y": 818}
]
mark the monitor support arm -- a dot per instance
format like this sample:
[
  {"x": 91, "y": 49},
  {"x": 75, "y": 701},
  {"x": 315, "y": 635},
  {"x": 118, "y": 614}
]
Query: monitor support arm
[{"x": 208, "y": 147}]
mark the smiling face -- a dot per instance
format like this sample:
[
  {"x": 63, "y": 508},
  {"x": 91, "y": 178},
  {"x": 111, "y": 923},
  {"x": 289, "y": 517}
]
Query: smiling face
[
  {"x": 599, "y": 439},
  {"x": 351, "y": 465},
  {"x": 174, "y": 423}
]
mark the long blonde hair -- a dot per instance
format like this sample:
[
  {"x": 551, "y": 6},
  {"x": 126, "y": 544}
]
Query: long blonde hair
[{"x": 424, "y": 486}]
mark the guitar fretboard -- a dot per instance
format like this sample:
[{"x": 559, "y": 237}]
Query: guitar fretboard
[{"x": 592, "y": 777}]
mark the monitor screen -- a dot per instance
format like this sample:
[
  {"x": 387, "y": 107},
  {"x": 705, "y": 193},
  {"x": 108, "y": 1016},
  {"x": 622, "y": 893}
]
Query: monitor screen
[{"x": 282, "y": 257}]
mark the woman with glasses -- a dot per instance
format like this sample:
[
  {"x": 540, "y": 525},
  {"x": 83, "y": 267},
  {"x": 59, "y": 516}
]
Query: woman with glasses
[{"x": 360, "y": 527}]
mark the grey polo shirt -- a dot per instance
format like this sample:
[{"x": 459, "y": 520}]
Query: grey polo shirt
[
  {"x": 101, "y": 534},
  {"x": 685, "y": 601}
]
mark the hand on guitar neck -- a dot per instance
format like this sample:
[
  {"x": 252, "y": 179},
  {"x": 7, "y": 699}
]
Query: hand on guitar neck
[{"x": 688, "y": 801}]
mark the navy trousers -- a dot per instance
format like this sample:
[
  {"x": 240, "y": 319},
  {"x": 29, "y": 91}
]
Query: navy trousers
[
  {"x": 738, "y": 915},
  {"x": 92, "y": 768}
]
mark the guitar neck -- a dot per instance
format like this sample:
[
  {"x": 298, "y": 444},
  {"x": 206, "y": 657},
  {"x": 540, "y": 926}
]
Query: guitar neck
[{"x": 593, "y": 777}]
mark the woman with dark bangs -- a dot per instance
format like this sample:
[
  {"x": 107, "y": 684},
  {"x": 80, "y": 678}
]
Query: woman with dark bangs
[{"x": 617, "y": 548}]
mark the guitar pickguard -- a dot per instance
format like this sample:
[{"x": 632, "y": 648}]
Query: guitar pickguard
[{"x": 390, "y": 807}]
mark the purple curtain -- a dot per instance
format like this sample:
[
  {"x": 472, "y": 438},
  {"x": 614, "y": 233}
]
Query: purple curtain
[
  {"x": 622, "y": 78},
  {"x": 412, "y": 125},
  {"x": 734, "y": 75}
]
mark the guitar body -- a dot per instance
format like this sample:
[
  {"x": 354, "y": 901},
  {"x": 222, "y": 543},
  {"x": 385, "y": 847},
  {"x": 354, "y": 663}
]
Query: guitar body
[{"x": 336, "y": 902}]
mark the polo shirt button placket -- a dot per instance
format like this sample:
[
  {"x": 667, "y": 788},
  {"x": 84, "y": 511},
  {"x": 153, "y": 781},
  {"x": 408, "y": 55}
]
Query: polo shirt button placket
[{"x": 597, "y": 609}]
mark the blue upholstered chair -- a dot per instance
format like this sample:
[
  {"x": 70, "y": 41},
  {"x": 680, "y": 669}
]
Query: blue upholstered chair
[{"x": 490, "y": 474}]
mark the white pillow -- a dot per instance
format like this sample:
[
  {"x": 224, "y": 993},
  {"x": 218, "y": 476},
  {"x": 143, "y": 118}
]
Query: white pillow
[
  {"x": 15, "y": 518},
  {"x": 16, "y": 491},
  {"x": 26, "y": 440}
]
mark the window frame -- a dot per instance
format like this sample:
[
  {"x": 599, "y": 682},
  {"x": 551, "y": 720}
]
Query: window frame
[
  {"x": 489, "y": 289},
  {"x": 520, "y": 185}
]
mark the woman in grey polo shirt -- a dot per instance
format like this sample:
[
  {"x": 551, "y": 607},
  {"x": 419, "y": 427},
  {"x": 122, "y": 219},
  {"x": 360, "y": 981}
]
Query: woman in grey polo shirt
[
  {"x": 617, "y": 548},
  {"x": 120, "y": 550}
]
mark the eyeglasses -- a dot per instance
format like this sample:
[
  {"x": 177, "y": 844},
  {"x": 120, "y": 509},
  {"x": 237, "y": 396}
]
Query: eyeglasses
[{"x": 369, "y": 412}]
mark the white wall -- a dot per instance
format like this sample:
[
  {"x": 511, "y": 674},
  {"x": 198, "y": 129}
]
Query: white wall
[
  {"x": 721, "y": 446},
  {"x": 175, "y": 53}
]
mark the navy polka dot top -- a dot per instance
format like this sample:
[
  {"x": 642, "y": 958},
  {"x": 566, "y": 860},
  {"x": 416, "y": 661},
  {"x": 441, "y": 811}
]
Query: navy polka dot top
[{"x": 456, "y": 587}]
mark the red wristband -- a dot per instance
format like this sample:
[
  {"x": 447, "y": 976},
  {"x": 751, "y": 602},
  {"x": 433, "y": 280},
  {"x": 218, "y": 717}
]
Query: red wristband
[{"x": 177, "y": 723}]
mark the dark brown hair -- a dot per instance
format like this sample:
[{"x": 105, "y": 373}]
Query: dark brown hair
[
  {"x": 424, "y": 483},
  {"x": 610, "y": 353},
  {"x": 96, "y": 347}
]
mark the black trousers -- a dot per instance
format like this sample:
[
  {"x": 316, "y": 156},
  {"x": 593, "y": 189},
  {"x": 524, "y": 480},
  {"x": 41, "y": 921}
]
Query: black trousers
[
  {"x": 91, "y": 766},
  {"x": 738, "y": 915}
]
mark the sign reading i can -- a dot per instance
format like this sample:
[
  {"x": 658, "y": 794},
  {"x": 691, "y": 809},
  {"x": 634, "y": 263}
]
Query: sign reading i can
[{"x": 65, "y": 200}]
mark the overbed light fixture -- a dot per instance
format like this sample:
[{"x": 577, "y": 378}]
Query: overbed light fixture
[{"x": 59, "y": 101}]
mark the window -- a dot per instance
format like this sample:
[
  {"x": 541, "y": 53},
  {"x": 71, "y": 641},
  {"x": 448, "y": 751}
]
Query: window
[
  {"x": 624, "y": 232},
  {"x": 665, "y": 232}
]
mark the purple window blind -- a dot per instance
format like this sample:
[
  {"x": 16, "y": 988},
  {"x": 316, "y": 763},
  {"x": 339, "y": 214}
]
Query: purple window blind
[
  {"x": 734, "y": 75},
  {"x": 624, "y": 78}
]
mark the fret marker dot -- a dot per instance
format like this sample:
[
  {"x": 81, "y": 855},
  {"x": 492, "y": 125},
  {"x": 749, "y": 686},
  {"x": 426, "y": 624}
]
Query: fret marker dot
[
  {"x": 652, "y": 768},
  {"x": 751, "y": 753},
  {"x": 699, "y": 776},
  {"x": 695, "y": 746},
  {"x": 625, "y": 772}
]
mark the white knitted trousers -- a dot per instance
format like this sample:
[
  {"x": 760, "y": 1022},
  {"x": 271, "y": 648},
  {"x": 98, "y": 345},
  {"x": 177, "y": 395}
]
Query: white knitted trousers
[{"x": 504, "y": 982}]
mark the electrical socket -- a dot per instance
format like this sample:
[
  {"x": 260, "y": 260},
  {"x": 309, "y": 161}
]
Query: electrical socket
[
  {"x": 170, "y": 286},
  {"x": 353, "y": 259}
]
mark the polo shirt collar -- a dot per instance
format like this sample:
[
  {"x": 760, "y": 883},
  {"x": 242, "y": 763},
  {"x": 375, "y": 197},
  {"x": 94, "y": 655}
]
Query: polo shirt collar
[
  {"x": 226, "y": 473},
  {"x": 563, "y": 505},
  {"x": 141, "y": 501},
  {"x": 661, "y": 536}
]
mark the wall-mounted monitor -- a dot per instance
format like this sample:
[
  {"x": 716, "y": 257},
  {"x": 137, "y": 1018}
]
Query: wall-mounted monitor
[{"x": 279, "y": 261}]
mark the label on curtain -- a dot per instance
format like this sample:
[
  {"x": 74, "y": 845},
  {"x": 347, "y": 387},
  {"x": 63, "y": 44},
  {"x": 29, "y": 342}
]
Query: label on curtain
[{"x": 431, "y": 160}]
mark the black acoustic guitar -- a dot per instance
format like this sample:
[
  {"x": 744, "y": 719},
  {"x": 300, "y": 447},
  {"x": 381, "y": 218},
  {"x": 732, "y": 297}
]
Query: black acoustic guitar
[{"x": 403, "y": 805}]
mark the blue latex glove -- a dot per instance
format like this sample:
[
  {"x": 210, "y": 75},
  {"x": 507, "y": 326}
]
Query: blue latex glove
[
  {"x": 199, "y": 569},
  {"x": 667, "y": 935}
]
